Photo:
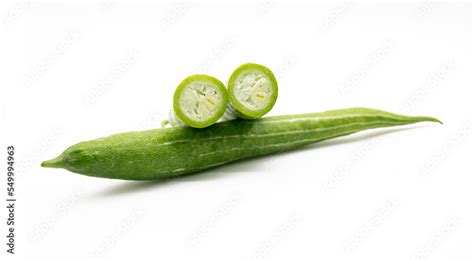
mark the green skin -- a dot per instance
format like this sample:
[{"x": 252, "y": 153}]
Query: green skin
[
  {"x": 170, "y": 152},
  {"x": 220, "y": 107},
  {"x": 241, "y": 110}
]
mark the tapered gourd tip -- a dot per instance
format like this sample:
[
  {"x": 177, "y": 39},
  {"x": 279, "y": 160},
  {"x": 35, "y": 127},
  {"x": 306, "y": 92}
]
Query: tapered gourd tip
[
  {"x": 53, "y": 163},
  {"x": 415, "y": 119},
  {"x": 432, "y": 119}
]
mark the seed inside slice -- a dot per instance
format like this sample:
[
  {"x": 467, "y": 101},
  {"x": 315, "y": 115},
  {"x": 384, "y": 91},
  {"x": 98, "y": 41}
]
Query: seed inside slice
[
  {"x": 200, "y": 100},
  {"x": 253, "y": 90}
]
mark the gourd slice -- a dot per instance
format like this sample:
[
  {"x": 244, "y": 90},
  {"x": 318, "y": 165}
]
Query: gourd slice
[
  {"x": 253, "y": 91},
  {"x": 199, "y": 101}
]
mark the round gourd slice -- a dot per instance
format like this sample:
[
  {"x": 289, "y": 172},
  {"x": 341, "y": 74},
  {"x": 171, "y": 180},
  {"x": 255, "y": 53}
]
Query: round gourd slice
[
  {"x": 199, "y": 101},
  {"x": 253, "y": 90}
]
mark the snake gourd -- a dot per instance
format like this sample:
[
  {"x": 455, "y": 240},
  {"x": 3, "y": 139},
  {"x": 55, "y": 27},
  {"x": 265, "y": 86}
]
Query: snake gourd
[{"x": 169, "y": 152}]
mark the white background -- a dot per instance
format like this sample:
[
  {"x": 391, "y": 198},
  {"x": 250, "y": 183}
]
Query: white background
[{"x": 74, "y": 72}]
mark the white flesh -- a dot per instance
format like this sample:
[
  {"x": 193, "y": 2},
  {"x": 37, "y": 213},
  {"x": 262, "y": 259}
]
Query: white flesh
[
  {"x": 200, "y": 101},
  {"x": 253, "y": 90}
]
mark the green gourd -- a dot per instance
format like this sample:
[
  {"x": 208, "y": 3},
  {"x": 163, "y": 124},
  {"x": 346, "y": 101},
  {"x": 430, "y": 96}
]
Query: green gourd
[{"x": 169, "y": 152}]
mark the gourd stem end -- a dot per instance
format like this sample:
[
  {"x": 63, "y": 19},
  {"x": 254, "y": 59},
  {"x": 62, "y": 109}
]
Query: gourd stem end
[{"x": 53, "y": 163}]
